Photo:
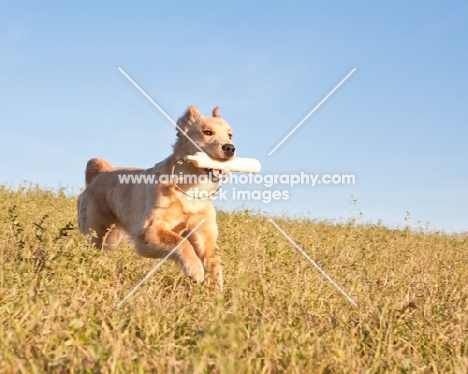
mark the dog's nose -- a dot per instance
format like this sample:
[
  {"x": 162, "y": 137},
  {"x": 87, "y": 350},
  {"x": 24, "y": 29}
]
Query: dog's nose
[{"x": 229, "y": 149}]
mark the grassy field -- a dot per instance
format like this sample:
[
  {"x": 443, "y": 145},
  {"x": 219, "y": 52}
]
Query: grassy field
[{"x": 58, "y": 299}]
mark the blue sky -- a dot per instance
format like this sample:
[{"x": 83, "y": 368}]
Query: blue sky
[{"x": 399, "y": 123}]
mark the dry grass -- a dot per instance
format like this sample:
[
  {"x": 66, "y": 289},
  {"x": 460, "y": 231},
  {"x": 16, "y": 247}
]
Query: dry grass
[{"x": 58, "y": 299}]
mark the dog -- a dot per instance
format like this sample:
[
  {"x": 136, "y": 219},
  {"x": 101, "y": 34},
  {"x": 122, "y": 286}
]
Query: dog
[{"x": 157, "y": 216}]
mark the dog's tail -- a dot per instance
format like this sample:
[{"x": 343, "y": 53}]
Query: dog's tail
[{"x": 94, "y": 167}]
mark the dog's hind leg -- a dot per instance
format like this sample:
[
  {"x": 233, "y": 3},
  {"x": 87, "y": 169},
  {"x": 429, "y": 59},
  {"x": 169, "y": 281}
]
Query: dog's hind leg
[
  {"x": 157, "y": 242},
  {"x": 105, "y": 234},
  {"x": 113, "y": 236}
]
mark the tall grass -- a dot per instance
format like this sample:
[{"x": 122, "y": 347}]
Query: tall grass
[{"x": 58, "y": 299}]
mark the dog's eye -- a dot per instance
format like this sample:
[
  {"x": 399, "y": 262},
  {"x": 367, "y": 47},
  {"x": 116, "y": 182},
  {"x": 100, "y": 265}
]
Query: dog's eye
[
  {"x": 207, "y": 132},
  {"x": 230, "y": 136}
]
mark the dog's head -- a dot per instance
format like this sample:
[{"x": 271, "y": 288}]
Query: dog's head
[{"x": 212, "y": 134}]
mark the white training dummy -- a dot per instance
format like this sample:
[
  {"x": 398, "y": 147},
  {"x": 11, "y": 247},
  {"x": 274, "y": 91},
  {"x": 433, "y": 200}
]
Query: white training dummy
[{"x": 245, "y": 165}]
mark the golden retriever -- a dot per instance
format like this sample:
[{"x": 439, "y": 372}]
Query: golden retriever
[{"x": 157, "y": 216}]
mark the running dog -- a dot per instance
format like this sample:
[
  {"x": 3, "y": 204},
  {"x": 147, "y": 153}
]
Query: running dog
[{"x": 157, "y": 216}]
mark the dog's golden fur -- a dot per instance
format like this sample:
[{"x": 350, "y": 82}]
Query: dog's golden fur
[{"x": 158, "y": 216}]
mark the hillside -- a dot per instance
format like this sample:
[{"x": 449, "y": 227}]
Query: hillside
[{"x": 58, "y": 299}]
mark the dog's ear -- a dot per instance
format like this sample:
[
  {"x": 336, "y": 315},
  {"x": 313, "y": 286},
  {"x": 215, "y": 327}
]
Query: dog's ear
[
  {"x": 216, "y": 112},
  {"x": 190, "y": 117}
]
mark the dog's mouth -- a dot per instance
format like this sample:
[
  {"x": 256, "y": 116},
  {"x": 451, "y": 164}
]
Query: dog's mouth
[
  {"x": 217, "y": 174},
  {"x": 214, "y": 174}
]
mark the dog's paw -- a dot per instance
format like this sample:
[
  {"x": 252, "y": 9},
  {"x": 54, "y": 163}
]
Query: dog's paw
[{"x": 194, "y": 270}]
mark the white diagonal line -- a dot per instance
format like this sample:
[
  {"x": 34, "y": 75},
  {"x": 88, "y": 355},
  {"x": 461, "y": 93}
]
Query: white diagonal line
[
  {"x": 159, "y": 108},
  {"x": 313, "y": 262},
  {"x": 159, "y": 264},
  {"x": 312, "y": 111}
]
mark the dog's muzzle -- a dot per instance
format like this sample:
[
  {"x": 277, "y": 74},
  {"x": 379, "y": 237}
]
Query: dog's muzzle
[{"x": 229, "y": 149}]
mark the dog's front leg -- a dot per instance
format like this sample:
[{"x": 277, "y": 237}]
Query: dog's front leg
[
  {"x": 213, "y": 264},
  {"x": 157, "y": 242},
  {"x": 198, "y": 244},
  {"x": 206, "y": 248},
  {"x": 210, "y": 257}
]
